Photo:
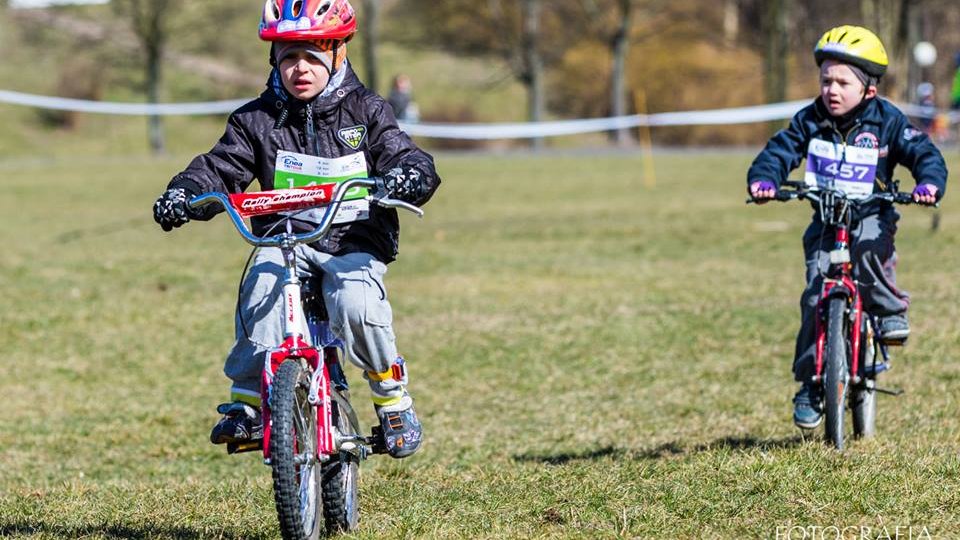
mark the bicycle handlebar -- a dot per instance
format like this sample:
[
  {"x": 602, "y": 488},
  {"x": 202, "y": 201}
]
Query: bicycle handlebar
[
  {"x": 800, "y": 191},
  {"x": 288, "y": 238}
]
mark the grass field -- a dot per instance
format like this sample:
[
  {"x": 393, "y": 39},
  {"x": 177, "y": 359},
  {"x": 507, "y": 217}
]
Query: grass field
[{"x": 591, "y": 358}]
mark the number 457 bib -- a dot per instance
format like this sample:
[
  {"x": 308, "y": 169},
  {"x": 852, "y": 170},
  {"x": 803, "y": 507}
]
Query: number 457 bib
[
  {"x": 295, "y": 170},
  {"x": 848, "y": 168}
]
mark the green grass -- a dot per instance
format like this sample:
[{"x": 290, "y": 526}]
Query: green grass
[{"x": 591, "y": 359}]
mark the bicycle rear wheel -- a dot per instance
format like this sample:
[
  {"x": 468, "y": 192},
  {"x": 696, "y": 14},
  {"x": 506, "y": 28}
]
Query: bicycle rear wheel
[
  {"x": 865, "y": 409},
  {"x": 341, "y": 476},
  {"x": 835, "y": 371},
  {"x": 293, "y": 454}
]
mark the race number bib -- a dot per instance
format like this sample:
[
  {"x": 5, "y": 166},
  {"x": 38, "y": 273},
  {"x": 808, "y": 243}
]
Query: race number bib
[
  {"x": 295, "y": 170},
  {"x": 850, "y": 169}
]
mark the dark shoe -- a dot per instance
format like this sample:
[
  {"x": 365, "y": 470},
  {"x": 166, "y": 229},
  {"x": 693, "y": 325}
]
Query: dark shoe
[
  {"x": 807, "y": 408},
  {"x": 400, "y": 427},
  {"x": 894, "y": 329},
  {"x": 240, "y": 423}
]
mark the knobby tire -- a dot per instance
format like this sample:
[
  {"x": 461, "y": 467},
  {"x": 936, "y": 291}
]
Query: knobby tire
[
  {"x": 288, "y": 436},
  {"x": 835, "y": 371}
]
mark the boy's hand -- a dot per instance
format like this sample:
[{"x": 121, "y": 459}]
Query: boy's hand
[
  {"x": 925, "y": 194},
  {"x": 762, "y": 191},
  {"x": 170, "y": 210}
]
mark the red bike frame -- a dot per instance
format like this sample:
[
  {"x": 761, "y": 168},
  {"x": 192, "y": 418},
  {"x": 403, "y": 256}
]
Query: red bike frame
[
  {"x": 844, "y": 270},
  {"x": 297, "y": 336}
]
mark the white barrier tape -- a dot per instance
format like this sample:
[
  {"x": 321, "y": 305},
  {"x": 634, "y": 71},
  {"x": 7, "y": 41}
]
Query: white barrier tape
[
  {"x": 136, "y": 109},
  {"x": 739, "y": 115}
]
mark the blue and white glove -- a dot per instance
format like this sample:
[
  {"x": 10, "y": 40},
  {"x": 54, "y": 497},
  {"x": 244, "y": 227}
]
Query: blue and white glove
[
  {"x": 925, "y": 194},
  {"x": 170, "y": 210},
  {"x": 763, "y": 191}
]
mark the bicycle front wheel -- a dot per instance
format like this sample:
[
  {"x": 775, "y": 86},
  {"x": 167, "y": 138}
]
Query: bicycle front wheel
[
  {"x": 293, "y": 454},
  {"x": 835, "y": 375}
]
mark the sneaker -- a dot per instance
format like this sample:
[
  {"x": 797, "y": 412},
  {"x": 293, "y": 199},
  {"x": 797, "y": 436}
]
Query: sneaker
[
  {"x": 400, "y": 428},
  {"x": 807, "y": 409},
  {"x": 894, "y": 329},
  {"x": 240, "y": 423}
]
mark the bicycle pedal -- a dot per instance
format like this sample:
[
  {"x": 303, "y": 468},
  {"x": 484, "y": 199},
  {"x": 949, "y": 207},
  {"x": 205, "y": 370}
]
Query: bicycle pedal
[
  {"x": 249, "y": 446},
  {"x": 872, "y": 370},
  {"x": 376, "y": 441},
  {"x": 894, "y": 393}
]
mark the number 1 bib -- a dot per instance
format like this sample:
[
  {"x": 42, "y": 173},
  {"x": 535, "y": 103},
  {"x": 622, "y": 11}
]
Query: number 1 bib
[
  {"x": 850, "y": 169},
  {"x": 295, "y": 170}
]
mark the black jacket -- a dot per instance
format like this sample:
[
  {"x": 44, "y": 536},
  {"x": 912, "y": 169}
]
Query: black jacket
[
  {"x": 874, "y": 124},
  {"x": 275, "y": 121}
]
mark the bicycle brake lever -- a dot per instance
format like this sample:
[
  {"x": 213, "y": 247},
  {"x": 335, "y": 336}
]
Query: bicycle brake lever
[{"x": 396, "y": 203}]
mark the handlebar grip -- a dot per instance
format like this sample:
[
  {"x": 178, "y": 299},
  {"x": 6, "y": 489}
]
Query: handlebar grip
[
  {"x": 903, "y": 198},
  {"x": 786, "y": 195},
  {"x": 200, "y": 201}
]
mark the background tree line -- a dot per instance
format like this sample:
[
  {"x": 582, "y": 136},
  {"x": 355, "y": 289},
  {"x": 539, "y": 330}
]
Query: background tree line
[{"x": 573, "y": 58}]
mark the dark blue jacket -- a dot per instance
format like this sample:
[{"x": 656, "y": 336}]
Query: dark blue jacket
[{"x": 875, "y": 124}]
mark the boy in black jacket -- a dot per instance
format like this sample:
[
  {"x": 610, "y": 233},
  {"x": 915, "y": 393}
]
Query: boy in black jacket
[{"x": 315, "y": 114}]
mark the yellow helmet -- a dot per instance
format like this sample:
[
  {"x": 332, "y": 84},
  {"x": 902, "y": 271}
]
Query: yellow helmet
[{"x": 853, "y": 45}]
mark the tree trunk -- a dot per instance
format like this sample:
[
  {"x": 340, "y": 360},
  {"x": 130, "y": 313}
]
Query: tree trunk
[
  {"x": 154, "y": 40},
  {"x": 889, "y": 20},
  {"x": 155, "y": 123},
  {"x": 775, "y": 60},
  {"x": 371, "y": 18},
  {"x": 620, "y": 44},
  {"x": 731, "y": 21},
  {"x": 533, "y": 63}
]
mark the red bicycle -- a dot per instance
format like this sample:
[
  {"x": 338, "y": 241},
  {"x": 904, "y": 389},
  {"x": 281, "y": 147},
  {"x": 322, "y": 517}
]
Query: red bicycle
[
  {"x": 849, "y": 357},
  {"x": 311, "y": 435}
]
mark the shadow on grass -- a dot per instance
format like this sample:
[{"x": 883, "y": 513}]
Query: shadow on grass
[
  {"x": 665, "y": 450},
  {"x": 117, "y": 531}
]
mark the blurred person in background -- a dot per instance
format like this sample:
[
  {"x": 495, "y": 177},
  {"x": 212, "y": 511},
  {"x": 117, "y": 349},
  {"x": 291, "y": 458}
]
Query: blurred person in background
[
  {"x": 848, "y": 113},
  {"x": 401, "y": 99},
  {"x": 927, "y": 102},
  {"x": 314, "y": 110},
  {"x": 955, "y": 92}
]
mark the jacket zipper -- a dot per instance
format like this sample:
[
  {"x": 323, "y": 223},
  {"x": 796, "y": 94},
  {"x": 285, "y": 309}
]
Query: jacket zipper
[{"x": 312, "y": 133}]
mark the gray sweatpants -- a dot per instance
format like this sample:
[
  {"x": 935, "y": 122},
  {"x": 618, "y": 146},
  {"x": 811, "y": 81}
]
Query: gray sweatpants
[
  {"x": 356, "y": 300},
  {"x": 875, "y": 259}
]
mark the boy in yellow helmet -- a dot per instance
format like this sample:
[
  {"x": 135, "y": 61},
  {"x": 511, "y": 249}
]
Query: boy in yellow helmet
[{"x": 848, "y": 112}]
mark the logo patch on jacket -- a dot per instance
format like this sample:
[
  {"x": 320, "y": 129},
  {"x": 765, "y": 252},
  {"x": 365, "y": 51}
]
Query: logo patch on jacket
[
  {"x": 911, "y": 133},
  {"x": 866, "y": 140},
  {"x": 353, "y": 136}
]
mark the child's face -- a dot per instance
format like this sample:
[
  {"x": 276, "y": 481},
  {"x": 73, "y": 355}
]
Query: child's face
[
  {"x": 840, "y": 89},
  {"x": 304, "y": 75}
]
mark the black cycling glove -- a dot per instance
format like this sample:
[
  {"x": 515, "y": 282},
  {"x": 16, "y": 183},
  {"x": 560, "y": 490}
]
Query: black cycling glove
[
  {"x": 404, "y": 183},
  {"x": 170, "y": 210}
]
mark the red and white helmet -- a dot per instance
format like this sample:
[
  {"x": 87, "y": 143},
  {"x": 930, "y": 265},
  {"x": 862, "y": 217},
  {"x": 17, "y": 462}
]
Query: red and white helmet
[{"x": 307, "y": 20}]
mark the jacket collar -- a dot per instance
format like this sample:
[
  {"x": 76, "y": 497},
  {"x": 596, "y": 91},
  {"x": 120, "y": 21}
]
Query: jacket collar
[
  {"x": 345, "y": 82},
  {"x": 869, "y": 111}
]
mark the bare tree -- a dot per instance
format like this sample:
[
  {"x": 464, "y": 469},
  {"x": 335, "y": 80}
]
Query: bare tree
[
  {"x": 150, "y": 22},
  {"x": 620, "y": 44},
  {"x": 371, "y": 25},
  {"x": 731, "y": 21},
  {"x": 777, "y": 49},
  {"x": 532, "y": 75},
  {"x": 896, "y": 24}
]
